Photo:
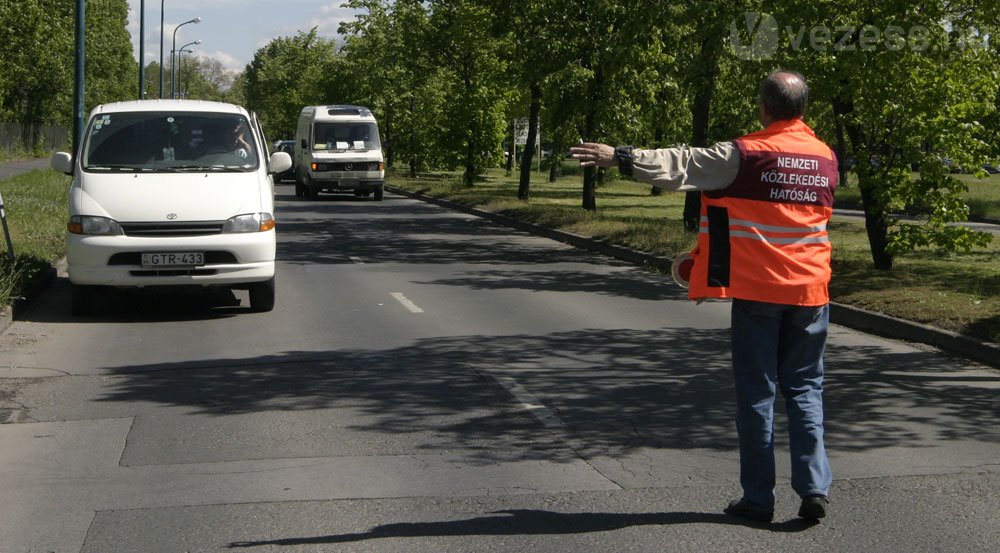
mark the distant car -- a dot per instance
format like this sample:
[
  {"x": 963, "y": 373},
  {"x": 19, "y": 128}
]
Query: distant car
[
  {"x": 992, "y": 169},
  {"x": 287, "y": 146}
]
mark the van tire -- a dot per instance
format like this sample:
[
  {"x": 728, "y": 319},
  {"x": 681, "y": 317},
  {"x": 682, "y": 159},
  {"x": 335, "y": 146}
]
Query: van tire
[
  {"x": 378, "y": 194},
  {"x": 262, "y": 296},
  {"x": 83, "y": 301}
]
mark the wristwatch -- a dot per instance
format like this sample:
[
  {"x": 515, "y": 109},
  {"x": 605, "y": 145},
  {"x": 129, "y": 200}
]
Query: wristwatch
[{"x": 624, "y": 157}]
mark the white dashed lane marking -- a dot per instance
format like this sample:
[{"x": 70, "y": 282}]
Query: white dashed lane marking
[{"x": 407, "y": 303}]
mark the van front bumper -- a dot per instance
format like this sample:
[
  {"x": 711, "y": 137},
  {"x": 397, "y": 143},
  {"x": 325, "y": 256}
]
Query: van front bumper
[{"x": 230, "y": 259}]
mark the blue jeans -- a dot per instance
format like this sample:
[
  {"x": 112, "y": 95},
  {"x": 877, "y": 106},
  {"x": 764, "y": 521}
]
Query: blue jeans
[{"x": 780, "y": 346}]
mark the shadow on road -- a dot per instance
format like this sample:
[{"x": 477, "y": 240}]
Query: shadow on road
[{"x": 529, "y": 522}]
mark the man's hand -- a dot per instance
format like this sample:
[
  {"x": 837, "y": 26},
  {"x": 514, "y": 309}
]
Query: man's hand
[{"x": 592, "y": 154}]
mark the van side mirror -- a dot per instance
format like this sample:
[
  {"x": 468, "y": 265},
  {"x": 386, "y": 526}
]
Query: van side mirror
[
  {"x": 62, "y": 162},
  {"x": 279, "y": 162},
  {"x": 305, "y": 144}
]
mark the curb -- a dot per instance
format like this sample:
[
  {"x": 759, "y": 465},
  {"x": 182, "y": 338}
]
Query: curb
[
  {"x": 871, "y": 322},
  {"x": 12, "y": 312}
]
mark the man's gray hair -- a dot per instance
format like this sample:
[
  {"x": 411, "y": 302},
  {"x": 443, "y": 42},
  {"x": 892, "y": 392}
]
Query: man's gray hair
[{"x": 784, "y": 95}]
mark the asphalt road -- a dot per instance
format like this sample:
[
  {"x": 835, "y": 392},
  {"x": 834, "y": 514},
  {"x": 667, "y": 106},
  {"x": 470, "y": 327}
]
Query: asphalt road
[{"x": 429, "y": 381}]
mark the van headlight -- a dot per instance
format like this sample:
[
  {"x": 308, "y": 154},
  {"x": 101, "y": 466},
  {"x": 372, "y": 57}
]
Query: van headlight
[
  {"x": 94, "y": 226},
  {"x": 251, "y": 222}
]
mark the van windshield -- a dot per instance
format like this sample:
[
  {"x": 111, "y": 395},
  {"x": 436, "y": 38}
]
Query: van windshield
[
  {"x": 169, "y": 142},
  {"x": 346, "y": 136}
]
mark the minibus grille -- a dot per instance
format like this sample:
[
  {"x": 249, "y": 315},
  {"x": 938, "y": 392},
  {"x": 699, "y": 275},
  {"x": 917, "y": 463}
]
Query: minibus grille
[
  {"x": 185, "y": 228},
  {"x": 348, "y": 166}
]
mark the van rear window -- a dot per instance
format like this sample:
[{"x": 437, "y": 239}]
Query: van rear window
[{"x": 169, "y": 142}]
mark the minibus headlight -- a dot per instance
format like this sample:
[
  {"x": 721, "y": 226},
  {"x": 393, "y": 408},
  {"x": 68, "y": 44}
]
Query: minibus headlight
[
  {"x": 251, "y": 222},
  {"x": 94, "y": 226}
]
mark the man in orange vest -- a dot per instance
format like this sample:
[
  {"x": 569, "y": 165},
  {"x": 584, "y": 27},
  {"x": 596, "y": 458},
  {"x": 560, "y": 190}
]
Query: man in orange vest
[{"x": 766, "y": 200}]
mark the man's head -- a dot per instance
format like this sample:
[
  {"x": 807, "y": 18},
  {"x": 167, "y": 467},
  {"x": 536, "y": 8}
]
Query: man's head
[{"x": 783, "y": 97}]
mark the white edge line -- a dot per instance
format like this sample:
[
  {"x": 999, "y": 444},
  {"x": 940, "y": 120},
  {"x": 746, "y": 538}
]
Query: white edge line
[
  {"x": 407, "y": 303},
  {"x": 530, "y": 403}
]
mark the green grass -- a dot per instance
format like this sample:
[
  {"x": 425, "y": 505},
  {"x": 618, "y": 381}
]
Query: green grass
[
  {"x": 957, "y": 292},
  {"x": 35, "y": 205},
  {"x": 983, "y": 196}
]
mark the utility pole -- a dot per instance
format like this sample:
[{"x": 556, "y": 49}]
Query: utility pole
[
  {"x": 142, "y": 53},
  {"x": 81, "y": 14}
]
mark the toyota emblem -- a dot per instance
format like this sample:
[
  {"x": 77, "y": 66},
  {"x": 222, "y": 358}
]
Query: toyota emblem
[{"x": 171, "y": 216}]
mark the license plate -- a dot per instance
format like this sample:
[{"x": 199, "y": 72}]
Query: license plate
[{"x": 173, "y": 259}]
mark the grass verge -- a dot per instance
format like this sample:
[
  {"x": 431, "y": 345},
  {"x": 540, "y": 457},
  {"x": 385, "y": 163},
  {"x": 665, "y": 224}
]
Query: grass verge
[
  {"x": 957, "y": 292},
  {"x": 35, "y": 205}
]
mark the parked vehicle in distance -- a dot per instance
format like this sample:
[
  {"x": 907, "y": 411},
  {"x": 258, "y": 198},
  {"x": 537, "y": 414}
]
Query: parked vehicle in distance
[
  {"x": 287, "y": 146},
  {"x": 338, "y": 149},
  {"x": 171, "y": 193}
]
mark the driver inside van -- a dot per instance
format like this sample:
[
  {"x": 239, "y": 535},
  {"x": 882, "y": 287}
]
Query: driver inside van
[{"x": 226, "y": 138}]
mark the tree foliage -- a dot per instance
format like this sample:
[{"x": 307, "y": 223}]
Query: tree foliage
[
  {"x": 37, "y": 59},
  {"x": 285, "y": 75},
  {"x": 902, "y": 90}
]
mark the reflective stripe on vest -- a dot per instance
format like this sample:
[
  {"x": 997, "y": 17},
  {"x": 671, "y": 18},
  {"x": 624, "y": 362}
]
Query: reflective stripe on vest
[
  {"x": 764, "y": 237},
  {"x": 757, "y": 231}
]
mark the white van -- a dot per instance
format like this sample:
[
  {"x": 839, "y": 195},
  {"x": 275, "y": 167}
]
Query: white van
[
  {"x": 338, "y": 149},
  {"x": 171, "y": 193}
]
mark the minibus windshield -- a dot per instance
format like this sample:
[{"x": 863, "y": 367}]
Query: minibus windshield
[
  {"x": 169, "y": 142},
  {"x": 346, "y": 136}
]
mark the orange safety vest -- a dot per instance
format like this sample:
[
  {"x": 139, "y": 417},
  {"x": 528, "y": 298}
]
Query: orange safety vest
[{"x": 764, "y": 237}]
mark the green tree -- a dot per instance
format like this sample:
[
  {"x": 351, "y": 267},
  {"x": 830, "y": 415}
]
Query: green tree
[
  {"x": 475, "y": 95},
  {"x": 111, "y": 71},
  {"x": 36, "y": 69},
  {"x": 388, "y": 67},
  {"x": 909, "y": 87},
  {"x": 285, "y": 75}
]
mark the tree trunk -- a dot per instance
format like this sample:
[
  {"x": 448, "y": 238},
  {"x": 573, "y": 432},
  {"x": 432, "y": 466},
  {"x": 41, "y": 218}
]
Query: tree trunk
[
  {"x": 413, "y": 142},
  {"x": 512, "y": 149},
  {"x": 534, "y": 109},
  {"x": 877, "y": 228},
  {"x": 589, "y": 130},
  {"x": 701, "y": 107},
  {"x": 876, "y": 223},
  {"x": 555, "y": 160}
]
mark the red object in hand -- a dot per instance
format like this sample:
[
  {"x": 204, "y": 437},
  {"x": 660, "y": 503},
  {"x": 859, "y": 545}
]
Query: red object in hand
[{"x": 680, "y": 269}]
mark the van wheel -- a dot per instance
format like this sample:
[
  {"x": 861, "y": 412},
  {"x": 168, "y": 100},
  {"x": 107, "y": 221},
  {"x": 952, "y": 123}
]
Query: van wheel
[
  {"x": 83, "y": 300},
  {"x": 262, "y": 296},
  {"x": 378, "y": 194},
  {"x": 299, "y": 192}
]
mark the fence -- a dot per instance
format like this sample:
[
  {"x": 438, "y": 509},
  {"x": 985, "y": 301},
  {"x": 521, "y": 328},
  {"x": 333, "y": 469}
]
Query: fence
[{"x": 17, "y": 137}]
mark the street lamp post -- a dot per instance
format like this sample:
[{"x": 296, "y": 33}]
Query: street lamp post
[
  {"x": 180, "y": 67},
  {"x": 142, "y": 46},
  {"x": 161, "y": 48},
  {"x": 173, "y": 46}
]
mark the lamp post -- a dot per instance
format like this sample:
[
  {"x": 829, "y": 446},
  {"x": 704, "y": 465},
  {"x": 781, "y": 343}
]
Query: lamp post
[
  {"x": 180, "y": 67},
  {"x": 161, "y": 48},
  {"x": 142, "y": 57},
  {"x": 173, "y": 50}
]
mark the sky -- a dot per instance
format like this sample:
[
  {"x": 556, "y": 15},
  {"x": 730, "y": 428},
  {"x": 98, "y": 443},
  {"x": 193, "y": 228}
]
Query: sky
[{"x": 231, "y": 31}]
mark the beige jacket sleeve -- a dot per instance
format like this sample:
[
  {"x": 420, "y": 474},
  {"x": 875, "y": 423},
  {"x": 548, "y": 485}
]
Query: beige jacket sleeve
[{"x": 687, "y": 169}]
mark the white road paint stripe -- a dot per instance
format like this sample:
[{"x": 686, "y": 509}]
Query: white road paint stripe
[
  {"x": 407, "y": 303},
  {"x": 530, "y": 403},
  {"x": 356, "y": 259}
]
